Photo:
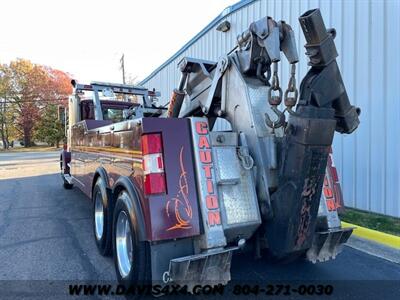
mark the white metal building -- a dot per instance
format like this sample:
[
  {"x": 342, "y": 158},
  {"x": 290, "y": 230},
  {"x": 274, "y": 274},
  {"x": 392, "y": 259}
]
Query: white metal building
[{"x": 368, "y": 43}]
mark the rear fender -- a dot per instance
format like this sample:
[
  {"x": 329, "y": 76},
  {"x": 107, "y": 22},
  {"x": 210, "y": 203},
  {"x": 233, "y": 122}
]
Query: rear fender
[
  {"x": 101, "y": 172},
  {"x": 134, "y": 206}
]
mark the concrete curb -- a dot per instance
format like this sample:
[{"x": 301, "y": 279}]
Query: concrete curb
[
  {"x": 374, "y": 249},
  {"x": 375, "y": 236}
]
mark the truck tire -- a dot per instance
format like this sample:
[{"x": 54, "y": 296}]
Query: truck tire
[
  {"x": 131, "y": 256},
  {"x": 102, "y": 217}
]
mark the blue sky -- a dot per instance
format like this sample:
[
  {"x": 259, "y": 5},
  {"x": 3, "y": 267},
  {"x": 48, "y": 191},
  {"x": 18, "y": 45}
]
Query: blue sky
[{"x": 87, "y": 38}]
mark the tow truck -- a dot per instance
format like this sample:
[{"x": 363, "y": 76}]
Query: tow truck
[{"x": 173, "y": 198}]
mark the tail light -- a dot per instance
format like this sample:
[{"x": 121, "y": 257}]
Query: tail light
[
  {"x": 331, "y": 189},
  {"x": 153, "y": 164}
]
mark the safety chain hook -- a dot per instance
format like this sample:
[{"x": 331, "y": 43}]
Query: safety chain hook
[
  {"x": 290, "y": 101},
  {"x": 274, "y": 100}
]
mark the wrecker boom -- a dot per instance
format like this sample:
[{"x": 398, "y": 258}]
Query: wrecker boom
[{"x": 290, "y": 154}]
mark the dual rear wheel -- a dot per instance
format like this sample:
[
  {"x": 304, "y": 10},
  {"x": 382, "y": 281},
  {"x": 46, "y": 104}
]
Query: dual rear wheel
[{"x": 115, "y": 231}]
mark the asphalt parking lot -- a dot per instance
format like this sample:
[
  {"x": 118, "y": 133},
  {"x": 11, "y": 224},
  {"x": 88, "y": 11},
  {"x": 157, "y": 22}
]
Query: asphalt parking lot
[{"x": 46, "y": 237}]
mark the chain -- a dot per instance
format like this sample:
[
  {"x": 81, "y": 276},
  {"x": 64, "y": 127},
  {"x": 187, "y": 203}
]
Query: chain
[
  {"x": 275, "y": 100},
  {"x": 292, "y": 80},
  {"x": 291, "y": 101},
  {"x": 275, "y": 78}
]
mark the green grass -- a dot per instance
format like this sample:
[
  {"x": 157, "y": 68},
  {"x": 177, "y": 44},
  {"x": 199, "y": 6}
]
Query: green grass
[{"x": 370, "y": 220}]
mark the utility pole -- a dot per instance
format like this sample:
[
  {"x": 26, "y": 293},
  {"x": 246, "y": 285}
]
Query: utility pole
[{"x": 122, "y": 61}]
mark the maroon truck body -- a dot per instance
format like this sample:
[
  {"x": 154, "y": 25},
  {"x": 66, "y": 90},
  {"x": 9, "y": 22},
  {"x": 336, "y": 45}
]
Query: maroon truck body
[
  {"x": 116, "y": 148},
  {"x": 174, "y": 198}
]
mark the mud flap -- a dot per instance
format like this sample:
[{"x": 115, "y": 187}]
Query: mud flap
[
  {"x": 212, "y": 267},
  {"x": 327, "y": 244}
]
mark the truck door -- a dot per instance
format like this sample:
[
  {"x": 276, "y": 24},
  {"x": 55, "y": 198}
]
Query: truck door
[{"x": 77, "y": 153}]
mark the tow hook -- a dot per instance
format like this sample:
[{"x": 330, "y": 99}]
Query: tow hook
[
  {"x": 246, "y": 160},
  {"x": 241, "y": 244}
]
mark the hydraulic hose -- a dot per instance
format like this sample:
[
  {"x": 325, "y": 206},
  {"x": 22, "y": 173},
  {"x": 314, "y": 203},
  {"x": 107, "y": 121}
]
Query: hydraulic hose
[{"x": 177, "y": 97}]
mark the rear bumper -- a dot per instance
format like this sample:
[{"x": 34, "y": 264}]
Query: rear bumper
[
  {"x": 211, "y": 267},
  {"x": 326, "y": 245}
]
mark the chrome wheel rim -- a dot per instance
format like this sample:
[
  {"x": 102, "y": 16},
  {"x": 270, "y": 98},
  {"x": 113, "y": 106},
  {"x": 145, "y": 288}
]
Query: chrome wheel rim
[
  {"x": 99, "y": 215},
  {"x": 123, "y": 244}
]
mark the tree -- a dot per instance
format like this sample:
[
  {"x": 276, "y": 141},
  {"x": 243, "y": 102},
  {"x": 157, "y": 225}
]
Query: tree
[
  {"x": 28, "y": 82},
  {"x": 49, "y": 129},
  {"x": 4, "y": 83},
  {"x": 30, "y": 88},
  {"x": 7, "y": 109},
  {"x": 7, "y": 116}
]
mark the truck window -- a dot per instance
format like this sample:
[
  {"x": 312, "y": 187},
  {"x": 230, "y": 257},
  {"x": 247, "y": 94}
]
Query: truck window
[
  {"x": 112, "y": 110},
  {"x": 113, "y": 114}
]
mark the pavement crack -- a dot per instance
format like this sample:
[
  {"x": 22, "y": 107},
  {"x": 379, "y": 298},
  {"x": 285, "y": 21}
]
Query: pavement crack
[
  {"x": 22, "y": 243},
  {"x": 6, "y": 213},
  {"x": 83, "y": 257}
]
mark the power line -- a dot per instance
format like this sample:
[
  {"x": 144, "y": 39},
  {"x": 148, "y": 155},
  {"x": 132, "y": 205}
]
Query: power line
[{"x": 122, "y": 61}]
